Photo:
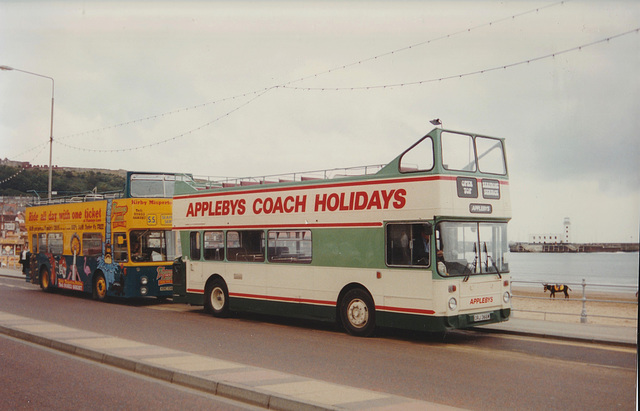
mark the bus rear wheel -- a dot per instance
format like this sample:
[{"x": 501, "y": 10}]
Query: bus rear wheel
[
  {"x": 357, "y": 313},
  {"x": 99, "y": 287},
  {"x": 45, "y": 279},
  {"x": 216, "y": 298}
]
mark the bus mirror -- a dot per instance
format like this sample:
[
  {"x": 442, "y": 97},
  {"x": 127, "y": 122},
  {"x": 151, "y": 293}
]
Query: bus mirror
[{"x": 120, "y": 240}]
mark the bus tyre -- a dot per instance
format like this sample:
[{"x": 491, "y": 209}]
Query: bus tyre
[
  {"x": 45, "y": 279},
  {"x": 216, "y": 298},
  {"x": 99, "y": 287},
  {"x": 357, "y": 313}
]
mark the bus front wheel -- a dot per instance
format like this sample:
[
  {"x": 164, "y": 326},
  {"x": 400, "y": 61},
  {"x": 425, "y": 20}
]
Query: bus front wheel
[
  {"x": 99, "y": 287},
  {"x": 357, "y": 313},
  {"x": 216, "y": 298},
  {"x": 45, "y": 279}
]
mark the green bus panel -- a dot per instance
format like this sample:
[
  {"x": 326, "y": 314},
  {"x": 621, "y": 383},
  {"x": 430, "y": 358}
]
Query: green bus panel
[{"x": 355, "y": 247}]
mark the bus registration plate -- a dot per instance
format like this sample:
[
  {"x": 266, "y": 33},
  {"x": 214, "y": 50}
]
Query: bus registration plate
[{"x": 481, "y": 317}]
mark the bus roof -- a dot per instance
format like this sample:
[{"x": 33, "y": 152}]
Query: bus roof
[{"x": 200, "y": 183}]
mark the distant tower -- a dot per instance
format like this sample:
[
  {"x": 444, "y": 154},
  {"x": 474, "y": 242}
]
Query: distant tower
[{"x": 567, "y": 230}]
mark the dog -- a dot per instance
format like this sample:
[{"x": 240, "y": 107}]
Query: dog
[{"x": 554, "y": 288}]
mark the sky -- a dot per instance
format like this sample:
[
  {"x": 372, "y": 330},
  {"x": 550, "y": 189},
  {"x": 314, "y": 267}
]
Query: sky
[{"x": 252, "y": 88}]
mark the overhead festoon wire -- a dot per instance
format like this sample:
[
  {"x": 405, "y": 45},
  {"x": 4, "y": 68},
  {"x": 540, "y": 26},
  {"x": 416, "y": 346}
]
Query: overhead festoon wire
[
  {"x": 157, "y": 116},
  {"x": 467, "y": 74},
  {"x": 259, "y": 92},
  {"x": 173, "y": 138},
  {"x": 423, "y": 43}
]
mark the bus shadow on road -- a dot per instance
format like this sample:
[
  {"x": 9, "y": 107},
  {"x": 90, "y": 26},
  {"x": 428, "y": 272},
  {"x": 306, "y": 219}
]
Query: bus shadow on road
[
  {"x": 134, "y": 302},
  {"x": 431, "y": 337},
  {"x": 383, "y": 333}
]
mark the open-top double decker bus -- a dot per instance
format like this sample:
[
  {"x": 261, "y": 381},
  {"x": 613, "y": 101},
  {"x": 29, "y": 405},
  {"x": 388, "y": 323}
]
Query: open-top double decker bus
[
  {"x": 420, "y": 243},
  {"x": 118, "y": 244}
]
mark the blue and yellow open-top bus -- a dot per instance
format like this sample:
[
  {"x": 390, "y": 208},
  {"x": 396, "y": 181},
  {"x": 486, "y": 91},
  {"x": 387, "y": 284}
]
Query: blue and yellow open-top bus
[{"x": 117, "y": 244}]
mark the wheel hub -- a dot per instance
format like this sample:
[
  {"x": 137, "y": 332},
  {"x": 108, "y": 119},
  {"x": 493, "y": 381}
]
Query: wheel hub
[{"x": 357, "y": 313}]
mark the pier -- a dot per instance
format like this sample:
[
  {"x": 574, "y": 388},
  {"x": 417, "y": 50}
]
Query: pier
[{"x": 521, "y": 247}]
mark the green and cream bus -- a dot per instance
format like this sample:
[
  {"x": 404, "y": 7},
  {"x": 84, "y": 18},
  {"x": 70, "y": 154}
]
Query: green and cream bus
[{"x": 419, "y": 243}]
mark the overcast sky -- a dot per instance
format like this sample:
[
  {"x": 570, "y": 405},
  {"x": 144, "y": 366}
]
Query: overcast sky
[{"x": 189, "y": 87}]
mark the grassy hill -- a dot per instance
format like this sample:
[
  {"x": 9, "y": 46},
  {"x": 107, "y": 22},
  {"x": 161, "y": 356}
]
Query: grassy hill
[{"x": 19, "y": 181}]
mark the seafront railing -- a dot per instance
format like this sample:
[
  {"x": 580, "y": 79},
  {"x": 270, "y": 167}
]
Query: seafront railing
[{"x": 596, "y": 290}]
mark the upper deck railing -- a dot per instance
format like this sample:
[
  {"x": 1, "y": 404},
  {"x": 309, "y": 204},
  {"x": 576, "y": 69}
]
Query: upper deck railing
[
  {"x": 205, "y": 183},
  {"x": 77, "y": 198}
]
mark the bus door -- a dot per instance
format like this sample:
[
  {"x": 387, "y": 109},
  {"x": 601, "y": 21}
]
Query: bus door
[
  {"x": 194, "y": 275},
  {"x": 409, "y": 254}
]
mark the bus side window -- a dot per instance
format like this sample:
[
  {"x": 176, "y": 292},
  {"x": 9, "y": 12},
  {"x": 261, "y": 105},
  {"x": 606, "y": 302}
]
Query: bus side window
[
  {"x": 34, "y": 244},
  {"x": 42, "y": 242},
  {"x": 120, "y": 253},
  {"x": 194, "y": 246},
  {"x": 214, "y": 245},
  {"x": 245, "y": 245},
  {"x": 418, "y": 158},
  {"x": 55, "y": 243},
  {"x": 290, "y": 246},
  {"x": 92, "y": 244}
]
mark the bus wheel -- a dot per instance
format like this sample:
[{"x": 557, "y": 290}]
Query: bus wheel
[
  {"x": 45, "y": 279},
  {"x": 216, "y": 298},
  {"x": 99, "y": 287},
  {"x": 357, "y": 313}
]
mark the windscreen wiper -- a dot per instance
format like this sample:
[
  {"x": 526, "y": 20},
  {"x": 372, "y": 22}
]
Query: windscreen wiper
[{"x": 493, "y": 263}]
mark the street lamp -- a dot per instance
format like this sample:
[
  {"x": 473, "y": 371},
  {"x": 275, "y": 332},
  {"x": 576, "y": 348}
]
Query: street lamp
[{"x": 51, "y": 135}]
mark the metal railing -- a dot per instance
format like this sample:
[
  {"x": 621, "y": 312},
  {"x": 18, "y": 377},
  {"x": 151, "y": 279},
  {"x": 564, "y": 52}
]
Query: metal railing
[
  {"x": 78, "y": 198},
  {"x": 596, "y": 288},
  {"x": 203, "y": 182}
]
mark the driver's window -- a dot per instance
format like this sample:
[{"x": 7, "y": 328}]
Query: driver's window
[{"x": 408, "y": 244}]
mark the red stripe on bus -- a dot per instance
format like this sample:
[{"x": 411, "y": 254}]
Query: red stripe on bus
[
  {"x": 404, "y": 310},
  {"x": 285, "y": 299},
  {"x": 267, "y": 226},
  {"x": 319, "y": 186},
  {"x": 318, "y": 302}
]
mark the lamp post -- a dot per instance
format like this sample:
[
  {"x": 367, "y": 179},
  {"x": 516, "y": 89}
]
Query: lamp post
[{"x": 51, "y": 135}]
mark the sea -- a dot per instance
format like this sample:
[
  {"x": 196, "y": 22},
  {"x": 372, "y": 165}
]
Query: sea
[{"x": 602, "y": 271}]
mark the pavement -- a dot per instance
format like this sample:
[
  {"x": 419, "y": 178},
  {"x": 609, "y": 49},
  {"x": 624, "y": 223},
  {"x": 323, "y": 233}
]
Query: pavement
[{"x": 259, "y": 386}]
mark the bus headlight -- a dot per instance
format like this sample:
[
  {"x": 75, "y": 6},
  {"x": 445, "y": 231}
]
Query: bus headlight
[
  {"x": 144, "y": 280},
  {"x": 144, "y": 290},
  {"x": 506, "y": 297},
  {"x": 453, "y": 303}
]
